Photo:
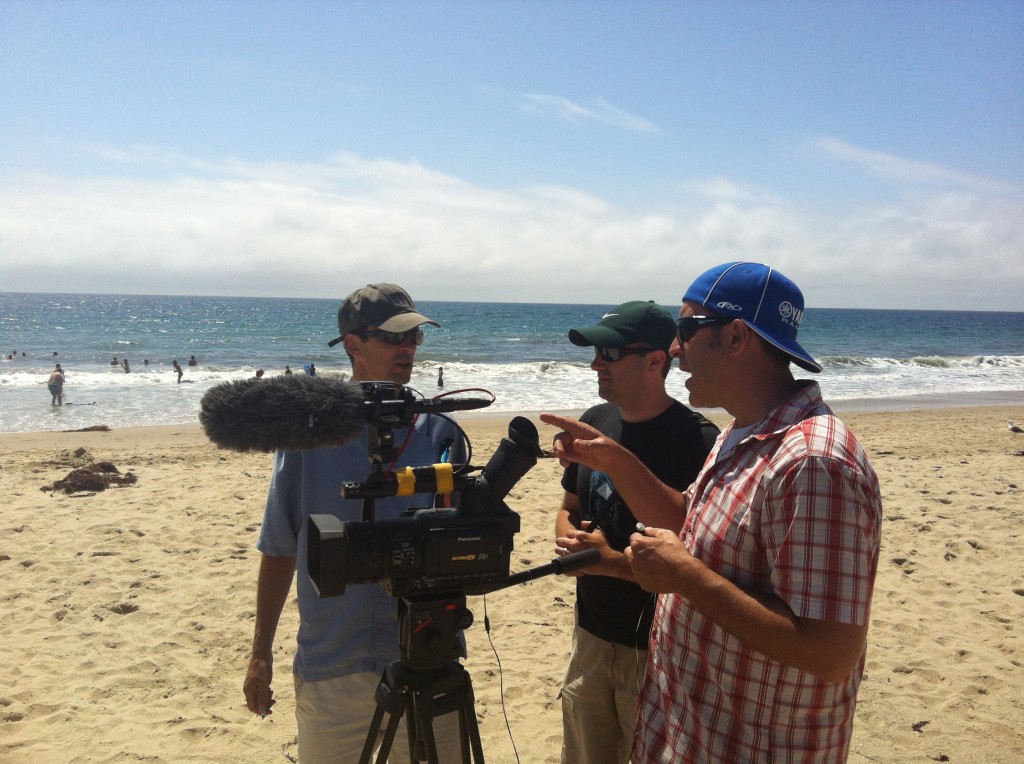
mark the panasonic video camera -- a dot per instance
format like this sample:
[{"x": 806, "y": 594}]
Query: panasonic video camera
[{"x": 424, "y": 553}]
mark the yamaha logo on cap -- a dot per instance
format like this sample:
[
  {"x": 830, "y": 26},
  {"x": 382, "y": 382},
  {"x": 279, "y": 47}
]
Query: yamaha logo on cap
[{"x": 791, "y": 314}]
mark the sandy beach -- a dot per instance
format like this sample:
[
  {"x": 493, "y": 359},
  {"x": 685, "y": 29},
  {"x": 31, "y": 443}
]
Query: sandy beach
[{"x": 126, "y": 614}]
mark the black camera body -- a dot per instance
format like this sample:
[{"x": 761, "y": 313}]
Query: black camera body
[
  {"x": 425, "y": 551},
  {"x": 429, "y": 552}
]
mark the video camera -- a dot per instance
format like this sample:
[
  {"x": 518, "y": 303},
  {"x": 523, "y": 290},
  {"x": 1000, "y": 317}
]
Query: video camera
[{"x": 424, "y": 552}]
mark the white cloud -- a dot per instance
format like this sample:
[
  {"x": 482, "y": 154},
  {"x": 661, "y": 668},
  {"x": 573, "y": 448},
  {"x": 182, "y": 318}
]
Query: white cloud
[
  {"x": 599, "y": 110},
  {"x": 903, "y": 170},
  {"x": 725, "y": 189},
  {"x": 316, "y": 229}
]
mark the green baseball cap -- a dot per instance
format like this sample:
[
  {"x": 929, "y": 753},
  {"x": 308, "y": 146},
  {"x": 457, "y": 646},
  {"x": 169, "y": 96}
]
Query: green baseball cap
[{"x": 636, "y": 321}]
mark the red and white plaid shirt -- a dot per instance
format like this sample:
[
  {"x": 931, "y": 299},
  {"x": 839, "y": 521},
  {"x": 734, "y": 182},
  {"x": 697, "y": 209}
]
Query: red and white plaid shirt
[{"x": 794, "y": 510}]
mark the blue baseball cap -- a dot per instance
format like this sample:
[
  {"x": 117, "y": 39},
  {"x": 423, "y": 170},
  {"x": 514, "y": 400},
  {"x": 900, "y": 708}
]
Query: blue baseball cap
[{"x": 761, "y": 297}]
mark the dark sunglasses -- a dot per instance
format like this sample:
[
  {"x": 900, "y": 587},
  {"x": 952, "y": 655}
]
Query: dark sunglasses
[
  {"x": 688, "y": 326},
  {"x": 617, "y": 354},
  {"x": 394, "y": 338}
]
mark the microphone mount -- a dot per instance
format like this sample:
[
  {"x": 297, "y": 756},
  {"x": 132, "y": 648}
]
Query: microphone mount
[
  {"x": 394, "y": 405},
  {"x": 387, "y": 405}
]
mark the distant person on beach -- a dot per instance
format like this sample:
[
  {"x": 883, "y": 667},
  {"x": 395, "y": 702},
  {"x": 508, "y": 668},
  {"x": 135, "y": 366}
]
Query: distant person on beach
[
  {"x": 440, "y": 376},
  {"x": 115, "y": 362},
  {"x": 287, "y": 369},
  {"x": 124, "y": 365},
  {"x": 192, "y": 361},
  {"x": 310, "y": 369},
  {"x": 613, "y": 616},
  {"x": 55, "y": 384},
  {"x": 177, "y": 369},
  {"x": 759, "y": 636},
  {"x": 344, "y": 643},
  {"x": 259, "y": 374}
]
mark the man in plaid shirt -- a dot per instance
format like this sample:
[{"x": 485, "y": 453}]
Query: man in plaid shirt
[{"x": 759, "y": 637}]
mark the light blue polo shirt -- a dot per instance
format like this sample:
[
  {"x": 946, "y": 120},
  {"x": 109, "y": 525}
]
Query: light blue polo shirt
[{"x": 357, "y": 631}]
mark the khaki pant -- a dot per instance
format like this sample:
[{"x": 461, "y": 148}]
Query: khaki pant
[
  {"x": 334, "y": 717},
  {"x": 599, "y": 700}
]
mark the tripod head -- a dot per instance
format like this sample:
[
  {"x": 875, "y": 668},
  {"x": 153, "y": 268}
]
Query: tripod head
[{"x": 429, "y": 625}]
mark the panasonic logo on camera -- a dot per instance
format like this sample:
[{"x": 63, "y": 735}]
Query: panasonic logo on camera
[{"x": 469, "y": 538}]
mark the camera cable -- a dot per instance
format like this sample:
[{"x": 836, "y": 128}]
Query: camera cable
[{"x": 501, "y": 680}]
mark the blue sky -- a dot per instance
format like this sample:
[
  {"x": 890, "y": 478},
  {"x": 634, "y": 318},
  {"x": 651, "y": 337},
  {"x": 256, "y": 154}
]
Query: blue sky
[{"x": 514, "y": 151}]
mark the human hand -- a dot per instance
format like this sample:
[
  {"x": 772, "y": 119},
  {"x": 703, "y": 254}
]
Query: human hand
[
  {"x": 576, "y": 540},
  {"x": 259, "y": 696},
  {"x": 581, "y": 443},
  {"x": 658, "y": 560}
]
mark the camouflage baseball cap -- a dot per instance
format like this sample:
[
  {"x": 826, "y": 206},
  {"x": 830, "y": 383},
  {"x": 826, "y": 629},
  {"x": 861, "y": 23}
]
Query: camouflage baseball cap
[{"x": 387, "y": 307}]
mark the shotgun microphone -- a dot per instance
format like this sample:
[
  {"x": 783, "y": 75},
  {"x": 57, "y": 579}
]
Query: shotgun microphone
[
  {"x": 302, "y": 413},
  {"x": 283, "y": 413}
]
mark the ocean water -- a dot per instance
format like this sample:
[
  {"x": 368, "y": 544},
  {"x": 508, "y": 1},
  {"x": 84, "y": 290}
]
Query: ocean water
[{"x": 519, "y": 352}]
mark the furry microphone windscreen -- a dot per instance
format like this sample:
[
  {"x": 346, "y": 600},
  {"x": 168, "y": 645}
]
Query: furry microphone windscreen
[{"x": 285, "y": 413}]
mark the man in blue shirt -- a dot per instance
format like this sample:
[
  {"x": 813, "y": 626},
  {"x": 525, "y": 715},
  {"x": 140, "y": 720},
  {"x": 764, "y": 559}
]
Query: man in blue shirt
[{"x": 345, "y": 642}]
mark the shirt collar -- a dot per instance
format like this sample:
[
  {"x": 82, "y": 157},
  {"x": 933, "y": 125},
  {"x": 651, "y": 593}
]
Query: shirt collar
[{"x": 806, "y": 400}]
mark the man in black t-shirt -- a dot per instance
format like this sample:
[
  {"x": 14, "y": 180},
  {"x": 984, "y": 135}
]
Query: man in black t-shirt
[{"x": 613, "y": 615}]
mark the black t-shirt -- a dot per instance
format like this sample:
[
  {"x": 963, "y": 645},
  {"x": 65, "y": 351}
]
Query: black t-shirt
[{"x": 673, "y": 445}]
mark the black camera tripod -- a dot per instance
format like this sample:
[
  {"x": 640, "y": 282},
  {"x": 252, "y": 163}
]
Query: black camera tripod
[{"x": 426, "y": 682}]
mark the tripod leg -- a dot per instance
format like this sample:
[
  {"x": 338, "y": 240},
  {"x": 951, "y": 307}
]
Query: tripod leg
[
  {"x": 393, "y": 700},
  {"x": 456, "y": 703},
  {"x": 389, "y": 736},
  {"x": 423, "y": 724},
  {"x": 418, "y": 748},
  {"x": 371, "y": 735},
  {"x": 469, "y": 731}
]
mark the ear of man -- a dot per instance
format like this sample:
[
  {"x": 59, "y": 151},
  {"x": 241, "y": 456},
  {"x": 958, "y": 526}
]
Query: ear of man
[
  {"x": 658, "y": 362},
  {"x": 353, "y": 347},
  {"x": 737, "y": 337}
]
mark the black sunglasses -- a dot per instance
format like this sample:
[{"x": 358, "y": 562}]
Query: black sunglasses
[
  {"x": 394, "y": 338},
  {"x": 688, "y": 326},
  {"x": 617, "y": 354}
]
